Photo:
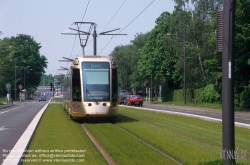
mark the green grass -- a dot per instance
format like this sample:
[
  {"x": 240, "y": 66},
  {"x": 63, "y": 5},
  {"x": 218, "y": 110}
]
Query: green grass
[
  {"x": 3, "y": 100},
  {"x": 124, "y": 148},
  {"x": 201, "y": 105},
  {"x": 57, "y": 131},
  {"x": 191, "y": 140},
  {"x": 56, "y": 99}
]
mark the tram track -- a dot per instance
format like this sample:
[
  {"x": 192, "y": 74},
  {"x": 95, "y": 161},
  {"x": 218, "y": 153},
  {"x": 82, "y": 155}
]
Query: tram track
[
  {"x": 104, "y": 153},
  {"x": 150, "y": 145},
  {"x": 176, "y": 133},
  {"x": 109, "y": 159}
]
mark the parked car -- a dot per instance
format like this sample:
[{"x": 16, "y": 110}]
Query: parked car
[
  {"x": 135, "y": 100},
  {"x": 42, "y": 98},
  {"x": 122, "y": 96}
]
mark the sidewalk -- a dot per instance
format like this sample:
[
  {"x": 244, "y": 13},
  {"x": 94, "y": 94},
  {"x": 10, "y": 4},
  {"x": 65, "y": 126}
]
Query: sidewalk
[
  {"x": 5, "y": 105},
  {"x": 2, "y": 106},
  {"x": 197, "y": 109}
]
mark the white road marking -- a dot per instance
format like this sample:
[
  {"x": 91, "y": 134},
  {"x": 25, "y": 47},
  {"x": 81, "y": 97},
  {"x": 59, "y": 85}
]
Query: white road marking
[{"x": 3, "y": 128}]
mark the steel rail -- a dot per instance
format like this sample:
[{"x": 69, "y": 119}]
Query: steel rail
[
  {"x": 98, "y": 146},
  {"x": 151, "y": 146}
]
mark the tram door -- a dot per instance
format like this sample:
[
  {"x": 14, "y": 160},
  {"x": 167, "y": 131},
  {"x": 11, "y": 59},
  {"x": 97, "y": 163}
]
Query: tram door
[
  {"x": 114, "y": 87},
  {"x": 76, "y": 85}
]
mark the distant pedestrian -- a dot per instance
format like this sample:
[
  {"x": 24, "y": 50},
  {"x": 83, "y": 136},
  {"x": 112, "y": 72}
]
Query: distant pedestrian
[{"x": 20, "y": 96}]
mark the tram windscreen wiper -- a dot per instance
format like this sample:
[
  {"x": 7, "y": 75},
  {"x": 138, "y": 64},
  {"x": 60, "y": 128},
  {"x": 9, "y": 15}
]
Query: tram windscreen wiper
[{"x": 92, "y": 96}]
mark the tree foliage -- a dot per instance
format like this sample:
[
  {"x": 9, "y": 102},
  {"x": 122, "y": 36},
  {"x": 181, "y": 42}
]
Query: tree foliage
[
  {"x": 192, "y": 24},
  {"x": 242, "y": 40},
  {"x": 244, "y": 97},
  {"x": 6, "y": 66},
  {"x": 127, "y": 58},
  {"x": 155, "y": 61},
  {"x": 210, "y": 95},
  {"x": 21, "y": 61}
]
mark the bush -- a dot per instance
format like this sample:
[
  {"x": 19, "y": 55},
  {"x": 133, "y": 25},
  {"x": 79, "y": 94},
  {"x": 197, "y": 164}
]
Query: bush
[
  {"x": 245, "y": 98},
  {"x": 210, "y": 95},
  {"x": 197, "y": 94}
]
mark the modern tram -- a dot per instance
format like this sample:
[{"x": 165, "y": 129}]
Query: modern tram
[{"x": 90, "y": 88}]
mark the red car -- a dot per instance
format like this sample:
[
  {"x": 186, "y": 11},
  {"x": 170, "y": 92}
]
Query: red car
[{"x": 135, "y": 100}]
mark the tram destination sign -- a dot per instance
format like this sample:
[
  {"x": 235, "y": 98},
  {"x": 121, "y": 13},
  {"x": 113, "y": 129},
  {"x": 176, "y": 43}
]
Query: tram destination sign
[{"x": 95, "y": 65}]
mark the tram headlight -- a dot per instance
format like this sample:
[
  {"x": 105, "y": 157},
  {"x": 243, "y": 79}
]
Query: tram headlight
[{"x": 106, "y": 104}]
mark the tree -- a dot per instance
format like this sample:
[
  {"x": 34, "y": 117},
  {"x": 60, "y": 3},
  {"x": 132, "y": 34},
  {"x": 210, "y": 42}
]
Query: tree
[
  {"x": 135, "y": 78},
  {"x": 242, "y": 40},
  {"x": 27, "y": 49},
  {"x": 6, "y": 67},
  {"x": 15, "y": 50},
  {"x": 155, "y": 61},
  {"x": 127, "y": 57}
]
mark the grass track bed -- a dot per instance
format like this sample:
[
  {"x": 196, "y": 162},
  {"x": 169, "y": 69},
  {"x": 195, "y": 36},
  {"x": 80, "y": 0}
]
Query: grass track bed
[
  {"x": 179, "y": 126},
  {"x": 189, "y": 140},
  {"x": 192, "y": 140},
  {"x": 124, "y": 148},
  {"x": 57, "y": 131}
]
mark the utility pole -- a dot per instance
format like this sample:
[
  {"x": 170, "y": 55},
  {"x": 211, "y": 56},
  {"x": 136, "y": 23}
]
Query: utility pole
[
  {"x": 228, "y": 139},
  {"x": 15, "y": 80},
  {"x": 184, "y": 85},
  {"x": 151, "y": 90},
  {"x": 94, "y": 37},
  {"x": 80, "y": 33}
]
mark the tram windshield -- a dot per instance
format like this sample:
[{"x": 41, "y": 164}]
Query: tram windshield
[{"x": 96, "y": 81}]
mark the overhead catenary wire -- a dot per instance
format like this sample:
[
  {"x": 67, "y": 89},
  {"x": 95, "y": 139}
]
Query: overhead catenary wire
[
  {"x": 113, "y": 16},
  {"x": 73, "y": 47},
  {"x": 106, "y": 25},
  {"x": 128, "y": 25},
  {"x": 85, "y": 10},
  {"x": 80, "y": 26}
]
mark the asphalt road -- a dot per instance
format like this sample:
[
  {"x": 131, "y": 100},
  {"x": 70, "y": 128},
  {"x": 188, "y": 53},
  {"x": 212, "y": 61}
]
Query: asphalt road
[
  {"x": 45, "y": 90},
  {"x": 13, "y": 122},
  {"x": 14, "y": 119}
]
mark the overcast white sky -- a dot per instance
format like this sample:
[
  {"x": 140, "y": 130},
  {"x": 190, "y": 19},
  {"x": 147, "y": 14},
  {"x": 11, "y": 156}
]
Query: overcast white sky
[{"x": 45, "y": 20}]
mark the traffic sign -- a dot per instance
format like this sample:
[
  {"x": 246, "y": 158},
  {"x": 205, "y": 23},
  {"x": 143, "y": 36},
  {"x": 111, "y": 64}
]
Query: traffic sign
[
  {"x": 146, "y": 83},
  {"x": 20, "y": 87},
  {"x": 8, "y": 85}
]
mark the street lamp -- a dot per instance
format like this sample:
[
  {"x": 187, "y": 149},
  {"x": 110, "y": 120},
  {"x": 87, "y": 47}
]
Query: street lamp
[
  {"x": 15, "y": 77},
  {"x": 24, "y": 79},
  {"x": 24, "y": 76},
  {"x": 184, "y": 61}
]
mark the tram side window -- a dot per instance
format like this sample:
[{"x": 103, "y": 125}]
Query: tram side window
[
  {"x": 76, "y": 85},
  {"x": 114, "y": 85}
]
